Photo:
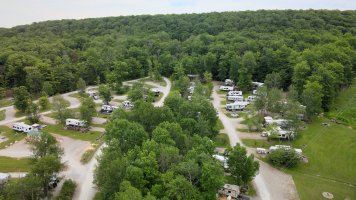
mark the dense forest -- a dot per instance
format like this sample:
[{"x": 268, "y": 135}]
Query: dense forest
[{"x": 312, "y": 49}]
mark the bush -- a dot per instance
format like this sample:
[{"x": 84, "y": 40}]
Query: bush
[
  {"x": 67, "y": 191},
  {"x": 287, "y": 158}
]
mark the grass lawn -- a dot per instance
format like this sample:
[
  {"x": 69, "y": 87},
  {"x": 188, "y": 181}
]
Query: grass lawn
[
  {"x": 11, "y": 136},
  {"x": 6, "y": 102},
  {"x": 344, "y": 107},
  {"x": 59, "y": 129},
  {"x": 222, "y": 140},
  {"x": 19, "y": 114},
  {"x": 2, "y": 114},
  {"x": 8, "y": 164},
  {"x": 331, "y": 152}
]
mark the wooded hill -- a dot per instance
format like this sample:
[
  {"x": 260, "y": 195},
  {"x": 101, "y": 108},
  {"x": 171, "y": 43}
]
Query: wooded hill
[{"x": 309, "y": 49}]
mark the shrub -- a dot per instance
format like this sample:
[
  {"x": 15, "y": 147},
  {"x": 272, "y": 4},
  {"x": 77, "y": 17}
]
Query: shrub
[
  {"x": 67, "y": 191},
  {"x": 287, "y": 158}
]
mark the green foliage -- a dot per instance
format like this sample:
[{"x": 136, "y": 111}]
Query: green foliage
[
  {"x": 22, "y": 98},
  {"x": 242, "y": 167},
  {"x": 87, "y": 110},
  {"x": 43, "y": 102},
  {"x": 287, "y": 158},
  {"x": 60, "y": 108},
  {"x": 33, "y": 113},
  {"x": 137, "y": 92},
  {"x": 312, "y": 98},
  {"x": 105, "y": 93},
  {"x": 44, "y": 145},
  {"x": 67, "y": 190},
  {"x": 81, "y": 85},
  {"x": 273, "y": 80}
]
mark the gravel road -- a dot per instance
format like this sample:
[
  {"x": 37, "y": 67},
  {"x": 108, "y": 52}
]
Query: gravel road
[{"x": 270, "y": 183}]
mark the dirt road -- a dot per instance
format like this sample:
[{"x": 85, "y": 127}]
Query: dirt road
[{"x": 270, "y": 183}]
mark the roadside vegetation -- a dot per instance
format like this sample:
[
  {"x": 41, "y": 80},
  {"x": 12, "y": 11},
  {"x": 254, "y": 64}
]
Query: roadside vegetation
[
  {"x": 59, "y": 129},
  {"x": 10, "y": 135},
  {"x": 222, "y": 140},
  {"x": 8, "y": 164},
  {"x": 67, "y": 190},
  {"x": 2, "y": 115}
]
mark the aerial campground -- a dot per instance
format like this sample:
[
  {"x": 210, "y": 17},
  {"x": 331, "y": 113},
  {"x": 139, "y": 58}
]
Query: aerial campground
[{"x": 234, "y": 105}]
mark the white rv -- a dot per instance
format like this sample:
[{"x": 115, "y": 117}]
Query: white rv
[
  {"x": 127, "y": 104},
  {"x": 235, "y": 93},
  {"x": 222, "y": 159},
  {"x": 191, "y": 89},
  {"x": 22, "y": 127},
  {"x": 235, "y": 106},
  {"x": 107, "y": 108},
  {"x": 155, "y": 91},
  {"x": 235, "y": 98},
  {"x": 229, "y": 82},
  {"x": 226, "y": 88},
  {"x": 93, "y": 94},
  {"x": 75, "y": 123},
  {"x": 251, "y": 98}
]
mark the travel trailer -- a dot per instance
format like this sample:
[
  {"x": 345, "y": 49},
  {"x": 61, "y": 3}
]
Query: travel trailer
[
  {"x": 235, "y": 106},
  {"x": 75, "y": 123},
  {"x": 234, "y": 93},
  {"x": 229, "y": 82},
  {"x": 22, "y": 127},
  {"x": 235, "y": 98},
  {"x": 107, "y": 109},
  {"x": 226, "y": 88}
]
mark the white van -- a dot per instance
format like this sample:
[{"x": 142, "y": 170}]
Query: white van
[{"x": 226, "y": 88}]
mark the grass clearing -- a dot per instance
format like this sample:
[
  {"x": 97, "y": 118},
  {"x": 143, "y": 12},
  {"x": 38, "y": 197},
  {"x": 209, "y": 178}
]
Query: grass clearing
[
  {"x": 8, "y": 164},
  {"x": 11, "y": 136},
  {"x": 343, "y": 110},
  {"x": 2, "y": 115},
  {"x": 6, "y": 102},
  {"x": 222, "y": 140},
  {"x": 60, "y": 130}
]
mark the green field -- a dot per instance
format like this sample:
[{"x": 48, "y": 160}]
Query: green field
[
  {"x": 2, "y": 114},
  {"x": 60, "y": 130},
  {"x": 6, "y": 102},
  {"x": 331, "y": 152},
  {"x": 344, "y": 108},
  {"x": 8, "y": 164},
  {"x": 222, "y": 140},
  {"x": 11, "y": 136}
]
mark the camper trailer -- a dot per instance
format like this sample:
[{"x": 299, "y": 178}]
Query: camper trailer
[
  {"x": 22, "y": 127},
  {"x": 222, "y": 159},
  {"x": 75, "y": 123},
  {"x": 93, "y": 94},
  {"x": 107, "y": 109},
  {"x": 127, "y": 105},
  {"x": 155, "y": 91},
  {"x": 235, "y": 98},
  {"x": 191, "y": 89},
  {"x": 257, "y": 84},
  {"x": 226, "y": 88},
  {"x": 235, "y": 106},
  {"x": 229, "y": 82},
  {"x": 251, "y": 98},
  {"x": 235, "y": 93}
]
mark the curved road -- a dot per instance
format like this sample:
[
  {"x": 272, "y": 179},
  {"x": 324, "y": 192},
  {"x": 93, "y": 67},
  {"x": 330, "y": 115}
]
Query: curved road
[
  {"x": 86, "y": 189},
  {"x": 270, "y": 183}
]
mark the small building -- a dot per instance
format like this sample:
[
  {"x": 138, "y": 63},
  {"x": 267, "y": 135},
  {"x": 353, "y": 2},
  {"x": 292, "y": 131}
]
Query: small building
[{"x": 230, "y": 190}]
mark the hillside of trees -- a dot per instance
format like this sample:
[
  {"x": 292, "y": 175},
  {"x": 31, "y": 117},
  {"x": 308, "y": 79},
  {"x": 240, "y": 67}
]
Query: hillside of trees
[{"x": 314, "y": 50}]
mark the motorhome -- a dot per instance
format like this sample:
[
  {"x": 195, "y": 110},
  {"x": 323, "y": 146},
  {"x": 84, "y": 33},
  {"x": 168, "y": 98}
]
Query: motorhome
[
  {"x": 107, "y": 108},
  {"x": 75, "y": 123},
  {"x": 229, "y": 82},
  {"x": 226, "y": 88},
  {"x": 235, "y": 98},
  {"x": 251, "y": 98},
  {"x": 234, "y": 93},
  {"x": 22, "y": 127},
  {"x": 156, "y": 92},
  {"x": 127, "y": 105},
  {"x": 235, "y": 106}
]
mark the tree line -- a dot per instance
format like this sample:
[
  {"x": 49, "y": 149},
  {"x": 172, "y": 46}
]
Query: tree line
[{"x": 313, "y": 50}]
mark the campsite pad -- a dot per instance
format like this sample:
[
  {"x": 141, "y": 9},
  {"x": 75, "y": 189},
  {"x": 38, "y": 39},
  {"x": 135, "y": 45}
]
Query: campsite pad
[{"x": 328, "y": 195}]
